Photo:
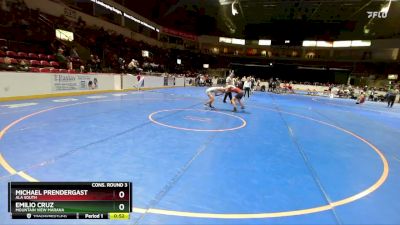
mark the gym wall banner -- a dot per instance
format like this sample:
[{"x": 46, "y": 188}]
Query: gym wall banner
[{"x": 66, "y": 82}]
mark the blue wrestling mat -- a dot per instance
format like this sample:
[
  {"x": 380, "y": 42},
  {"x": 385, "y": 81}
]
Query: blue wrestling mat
[{"x": 284, "y": 159}]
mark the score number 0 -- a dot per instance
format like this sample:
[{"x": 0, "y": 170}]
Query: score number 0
[{"x": 121, "y": 194}]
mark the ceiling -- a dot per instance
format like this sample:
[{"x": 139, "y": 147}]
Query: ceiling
[
  {"x": 256, "y": 11},
  {"x": 273, "y": 19}
]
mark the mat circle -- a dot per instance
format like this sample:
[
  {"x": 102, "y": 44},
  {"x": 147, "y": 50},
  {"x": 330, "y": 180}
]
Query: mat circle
[{"x": 152, "y": 119}]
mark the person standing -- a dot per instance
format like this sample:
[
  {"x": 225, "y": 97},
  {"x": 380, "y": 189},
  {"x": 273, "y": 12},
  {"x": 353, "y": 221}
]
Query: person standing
[
  {"x": 241, "y": 82},
  {"x": 391, "y": 96},
  {"x": 133, "y": 66},
  {"x": 229, "y": 81},
  {"x": 253, "y": 83},
  {"x": 271, "y": 80},
  {"x": 247, "y": 87}
]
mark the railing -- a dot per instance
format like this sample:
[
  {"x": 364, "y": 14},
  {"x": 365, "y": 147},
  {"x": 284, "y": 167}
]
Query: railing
[
  {"x": 161, "y": 74},
  {"x": 46, "y": 21}
]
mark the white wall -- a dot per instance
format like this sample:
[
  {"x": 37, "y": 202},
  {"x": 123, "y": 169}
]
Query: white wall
[
  {"x": 180, "y": 81},
  {"x": 130, "y": 81},
  {"x": 14, "y": 84},
  {"x": 303, "y": 87},
  {"x": 151, "y": 82},
  {"x": 23, "y": 84}
]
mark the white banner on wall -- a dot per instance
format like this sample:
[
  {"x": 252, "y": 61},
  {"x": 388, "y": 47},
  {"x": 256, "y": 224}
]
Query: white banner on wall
[
  {"x": 169, "y": 81},
  {"x": 14, "y": 84},
  {"x": 165, "y": 81},
  {"x": 67, "y": 82}
]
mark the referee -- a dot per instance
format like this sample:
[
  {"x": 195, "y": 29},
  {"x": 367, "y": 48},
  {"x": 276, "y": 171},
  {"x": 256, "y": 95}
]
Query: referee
[
  {"x": 391, "y": 96},
  {"x": 229, "y": 81}
]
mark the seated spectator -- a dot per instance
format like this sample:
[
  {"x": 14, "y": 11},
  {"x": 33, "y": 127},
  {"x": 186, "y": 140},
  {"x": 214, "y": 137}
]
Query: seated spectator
[
  {"x": 7, "y": 64},
  {"x": 98, "y": 63},
  {"x": 94, "y": 63},
  {"x": 23, "y": 65},
  {"x": 73, "y": 53},
  {"x": 61, "y": 58},
  {"x": 133, "y": 66}
]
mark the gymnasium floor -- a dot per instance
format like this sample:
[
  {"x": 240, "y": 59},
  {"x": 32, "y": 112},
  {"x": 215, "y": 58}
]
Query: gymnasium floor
[{"x": 286, "y": 159}]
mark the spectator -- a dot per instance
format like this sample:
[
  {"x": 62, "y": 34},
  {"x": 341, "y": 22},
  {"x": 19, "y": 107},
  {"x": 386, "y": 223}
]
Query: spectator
[
  {"x": 133, "y": 66},
  {"x": 98, "y": 63},
  {"x": 92, "y": 63},
  {"x": 61, "y": 58},
  {"x": 121, "y": 63},
  {"x": 7, "y": 64},
  {"x": 23, "y": 65},
  {"x": 73, "y": 53}
]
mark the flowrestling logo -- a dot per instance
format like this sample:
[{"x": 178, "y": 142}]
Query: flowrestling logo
[{"x": 375, "y": 14}]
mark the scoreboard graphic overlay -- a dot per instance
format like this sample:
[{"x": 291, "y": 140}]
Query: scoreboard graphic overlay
[{"x": 70, "y": 200}]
